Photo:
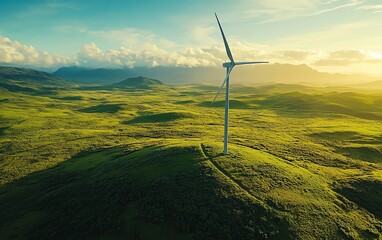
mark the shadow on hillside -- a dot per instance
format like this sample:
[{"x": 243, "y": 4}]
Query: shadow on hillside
[
  {"x": 184, "y": 102},
  {"x": 2, "y": 130},
  {"x": 112, "y": 194},
  {"x": 71, "y": 98},
  {"x": 16, "y": 88},
  {"x": 367, "y": 193},
  {"x": 233, "y": 104},
  {"x": 188, "y": 93},
  {"x": 102, "y": 108},
  {"x": 160, "y": 117},
  {"x": 337, "y": 135},
  {"x": 363, "y": 153}
]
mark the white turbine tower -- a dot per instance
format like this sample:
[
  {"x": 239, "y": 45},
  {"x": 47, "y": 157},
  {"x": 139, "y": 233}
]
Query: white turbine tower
[{"x": 229, "y": 66}]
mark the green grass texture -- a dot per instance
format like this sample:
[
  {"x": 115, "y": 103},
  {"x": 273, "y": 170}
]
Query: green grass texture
[{"x": 105, "y": 162}]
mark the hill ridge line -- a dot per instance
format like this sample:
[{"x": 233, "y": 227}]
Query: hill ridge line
[{"x": 227, "y": 175}]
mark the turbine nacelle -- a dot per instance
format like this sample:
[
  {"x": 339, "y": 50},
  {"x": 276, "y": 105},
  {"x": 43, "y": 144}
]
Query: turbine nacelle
[
  {"x": 228, "y": 64},
  {"x": 232, "y": 64}
]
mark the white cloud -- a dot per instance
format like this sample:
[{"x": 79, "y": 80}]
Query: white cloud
[
  {"x": 371, "y": 7},
  {"x": 377, "y": 8},
  {"x": 13, "y": 52},
  {"x": 151, "y": 55},
  {"x": 147, "y": 55},
  {"x": 327, "y": 38},
  {"x": 203, "y": 34},
  {"x": 347, "y": 5},
  {"x": 287, "y": 4},
  {"x": 282, "y": 10},
  {"x": 131, "y": 37},
  {"x": 349, "y": 57},
  {"x": 45, "y": 8}
]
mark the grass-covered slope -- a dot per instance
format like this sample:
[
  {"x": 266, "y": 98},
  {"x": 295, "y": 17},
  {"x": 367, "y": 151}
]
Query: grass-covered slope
[
  {"x": 103, "y": 163},
  {"x": 161, "y": 192},
  {"x": 29, "y": 81},
  {"x": 183, "y": 190},
  {"x": 137, "y": 82},
  {"x": 351, "y": 104},
  {"x": 304, "y": 199},
  {"x": 25, "y": 79}
]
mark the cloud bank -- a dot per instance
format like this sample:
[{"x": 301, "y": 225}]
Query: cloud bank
[
  {"x": 151, "y": 55},
  {"x": 148, "y": 55},
  {"x": 349, "y": 57},
  {"x": 13, "y": 52}
]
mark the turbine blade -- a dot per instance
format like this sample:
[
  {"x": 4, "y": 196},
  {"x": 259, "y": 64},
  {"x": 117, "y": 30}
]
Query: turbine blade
[
  {"x": 221, "y": 87},
  {"x": 229, "y": 54},
  {"x": 243, "y": 63}
]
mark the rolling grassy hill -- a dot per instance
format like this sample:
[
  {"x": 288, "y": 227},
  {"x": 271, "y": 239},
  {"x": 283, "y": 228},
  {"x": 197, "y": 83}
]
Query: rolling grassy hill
[
  {"x": 181, "y": 190},
  {"x": 137, "y": 82},
  {"x": 130, "y": 192},
  {"x": 111, "y": 163},
  {"x": 28, "y": 80}
]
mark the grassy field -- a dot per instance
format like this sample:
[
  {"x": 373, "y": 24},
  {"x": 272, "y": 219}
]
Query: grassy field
[{"x": 110, "y": 162}]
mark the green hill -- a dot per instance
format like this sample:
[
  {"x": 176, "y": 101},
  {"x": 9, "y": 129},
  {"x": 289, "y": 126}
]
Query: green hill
[
  {"x": 119, "y": 163},
  {"x": 346, "y": 103},
  {"x": 178, "y": 190},
  {"x": 30, "y": 76},
  {"x": 137, "y": 82},
  {"x": 28, "y": 80}
]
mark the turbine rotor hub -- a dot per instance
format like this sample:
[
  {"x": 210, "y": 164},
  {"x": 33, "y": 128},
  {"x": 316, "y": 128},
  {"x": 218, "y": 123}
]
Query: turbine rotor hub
[{"x": 228, "y": 64}]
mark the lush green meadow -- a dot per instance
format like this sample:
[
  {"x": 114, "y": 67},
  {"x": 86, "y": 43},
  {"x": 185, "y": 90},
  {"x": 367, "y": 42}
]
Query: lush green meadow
[{"x": 81, "y": 162}]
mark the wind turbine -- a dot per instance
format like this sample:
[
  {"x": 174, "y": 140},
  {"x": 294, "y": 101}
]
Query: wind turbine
[{"x": 229, "y": 65}]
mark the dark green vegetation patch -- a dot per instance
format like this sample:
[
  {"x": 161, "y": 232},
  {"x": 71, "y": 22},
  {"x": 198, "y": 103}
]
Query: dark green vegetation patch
[
  {"x": 102, "y": 108},
  {"x": 161, "y": 117},
  {"x": 16, "y": 88},
  {"x": 234, "y": 104},
  {"x": 368, "y": 154},
  {"x": 71, "y": 98},
  {"x": 358, "y": 190}
]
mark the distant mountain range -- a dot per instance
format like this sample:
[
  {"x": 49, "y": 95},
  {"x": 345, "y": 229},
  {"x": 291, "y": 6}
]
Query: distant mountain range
[
  {"x": 373, "y": 84},
  {"x": 130, "y": 84},
  {"x": 280, "y": 73},
  {"x": 28, "y": 80}
]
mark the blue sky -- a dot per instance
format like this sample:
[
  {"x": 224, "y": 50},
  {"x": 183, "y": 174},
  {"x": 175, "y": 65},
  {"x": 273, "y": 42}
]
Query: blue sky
[{"x": 329, "y": 35}]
